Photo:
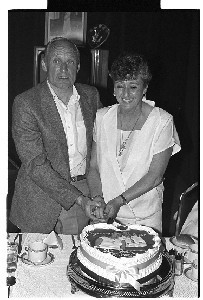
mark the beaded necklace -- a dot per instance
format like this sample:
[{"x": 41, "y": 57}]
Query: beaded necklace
[{"x": 123, "y": 145}]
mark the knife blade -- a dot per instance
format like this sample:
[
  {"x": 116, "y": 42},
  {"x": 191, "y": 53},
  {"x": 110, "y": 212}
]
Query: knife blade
[
  {"x": 16, "y": 237},
  {"x": 20, "y": 243}
]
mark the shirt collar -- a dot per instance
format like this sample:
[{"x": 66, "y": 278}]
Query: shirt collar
[{"x": 73, "y": 99}]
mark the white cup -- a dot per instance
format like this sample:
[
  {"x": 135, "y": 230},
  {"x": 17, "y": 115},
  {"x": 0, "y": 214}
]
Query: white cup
[
  {"x": 37, "y": 252},
  {"x": 194, "y": 269},
  {"x": 191, "y": 253}
]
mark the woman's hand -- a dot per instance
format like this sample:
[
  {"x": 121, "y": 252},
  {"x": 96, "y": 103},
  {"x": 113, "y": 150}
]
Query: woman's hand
[{"x": 113, "y": 207}]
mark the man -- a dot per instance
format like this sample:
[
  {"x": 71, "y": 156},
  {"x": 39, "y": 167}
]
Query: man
[{"x": 52, "y": 129}]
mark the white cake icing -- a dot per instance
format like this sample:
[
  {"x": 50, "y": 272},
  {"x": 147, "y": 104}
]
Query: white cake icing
[{"x": 120, "y": 269}]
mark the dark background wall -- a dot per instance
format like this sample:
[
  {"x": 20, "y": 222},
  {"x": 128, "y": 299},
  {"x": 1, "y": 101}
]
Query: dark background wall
[{"x": 170, "y": 41}]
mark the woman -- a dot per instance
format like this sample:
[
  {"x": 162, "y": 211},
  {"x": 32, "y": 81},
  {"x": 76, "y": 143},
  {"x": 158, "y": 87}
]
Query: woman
[{"x": 133, "y": 142}]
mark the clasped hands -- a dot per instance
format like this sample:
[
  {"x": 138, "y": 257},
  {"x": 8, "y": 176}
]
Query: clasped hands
[{"x": 98, "y": 211}]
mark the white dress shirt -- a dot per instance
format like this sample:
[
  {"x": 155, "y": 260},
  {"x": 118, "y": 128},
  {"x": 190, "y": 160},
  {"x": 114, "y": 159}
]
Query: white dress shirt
[{"x": 75, "y": 130}]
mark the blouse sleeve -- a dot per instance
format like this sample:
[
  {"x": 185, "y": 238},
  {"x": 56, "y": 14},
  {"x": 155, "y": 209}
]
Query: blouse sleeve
[{"x": 167, "y": 136}]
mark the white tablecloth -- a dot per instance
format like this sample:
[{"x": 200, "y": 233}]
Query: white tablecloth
[{"x": 51, "y": 280}]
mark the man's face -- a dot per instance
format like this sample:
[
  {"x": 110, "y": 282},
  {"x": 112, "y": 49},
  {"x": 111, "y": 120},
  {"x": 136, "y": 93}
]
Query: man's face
[{"x": 61, "y": 64}]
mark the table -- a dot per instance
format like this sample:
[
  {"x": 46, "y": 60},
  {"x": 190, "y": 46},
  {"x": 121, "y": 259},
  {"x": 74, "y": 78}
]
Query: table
[{"x": 51, "y": 280}]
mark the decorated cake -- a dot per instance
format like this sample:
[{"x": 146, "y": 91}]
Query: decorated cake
[{"x": 119, "y": 254}]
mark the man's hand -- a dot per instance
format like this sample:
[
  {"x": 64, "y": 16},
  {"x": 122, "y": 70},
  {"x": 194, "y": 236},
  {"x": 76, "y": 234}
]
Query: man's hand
[
  {"x": 92, "y": 208},
  {"x": 112, "y": 208},
  {"x": 98, "y": 211}
]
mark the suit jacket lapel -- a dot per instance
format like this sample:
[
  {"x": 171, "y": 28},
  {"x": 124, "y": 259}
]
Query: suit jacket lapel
[
  {"x": 51, "y": 114},
  {"x": 88, "y": 119}
]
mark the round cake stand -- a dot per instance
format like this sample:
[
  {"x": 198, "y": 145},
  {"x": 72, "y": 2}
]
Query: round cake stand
[{"x": 81, "y": 281}]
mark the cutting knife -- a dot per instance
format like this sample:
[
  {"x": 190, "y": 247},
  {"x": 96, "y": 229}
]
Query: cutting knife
[{"x": 20, "y": 243}]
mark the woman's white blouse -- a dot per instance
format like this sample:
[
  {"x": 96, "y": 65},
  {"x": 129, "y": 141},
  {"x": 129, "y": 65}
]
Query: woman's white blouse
[{"x": 119, "y": 173}]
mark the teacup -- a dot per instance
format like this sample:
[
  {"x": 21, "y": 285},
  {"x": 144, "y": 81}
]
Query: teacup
[
  {"x": 37, "y": 252},
  {"x": 191, "y": 253},
  {"x": 194, "y": 269}
]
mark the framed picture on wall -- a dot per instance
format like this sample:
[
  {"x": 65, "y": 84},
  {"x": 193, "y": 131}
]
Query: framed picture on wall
[
  {"x": 38, "y": 74},
  {"x": 71, "y": 25}
]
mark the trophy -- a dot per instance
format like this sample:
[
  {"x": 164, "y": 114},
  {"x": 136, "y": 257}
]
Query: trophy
[{"x": 96, "y": 36}]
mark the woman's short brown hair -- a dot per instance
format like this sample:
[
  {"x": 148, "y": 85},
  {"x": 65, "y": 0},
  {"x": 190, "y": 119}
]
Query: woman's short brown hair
[{"x": 128, "y": 66}]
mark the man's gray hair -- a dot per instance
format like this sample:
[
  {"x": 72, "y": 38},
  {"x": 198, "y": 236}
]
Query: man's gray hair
[{"x": 62, "y": 39}]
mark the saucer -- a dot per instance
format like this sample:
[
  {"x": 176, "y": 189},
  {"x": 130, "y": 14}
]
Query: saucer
[
  {"x": 49, "y": 259},
  {"x": 188, "y": 274},
  {"x": 175, "y": 243}
]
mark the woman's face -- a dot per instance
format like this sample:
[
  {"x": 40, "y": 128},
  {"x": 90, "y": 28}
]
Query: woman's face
[{"x": 129, "y": 93}]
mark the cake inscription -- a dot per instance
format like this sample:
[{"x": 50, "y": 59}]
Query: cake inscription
[{"x": 120, "y": 242}]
